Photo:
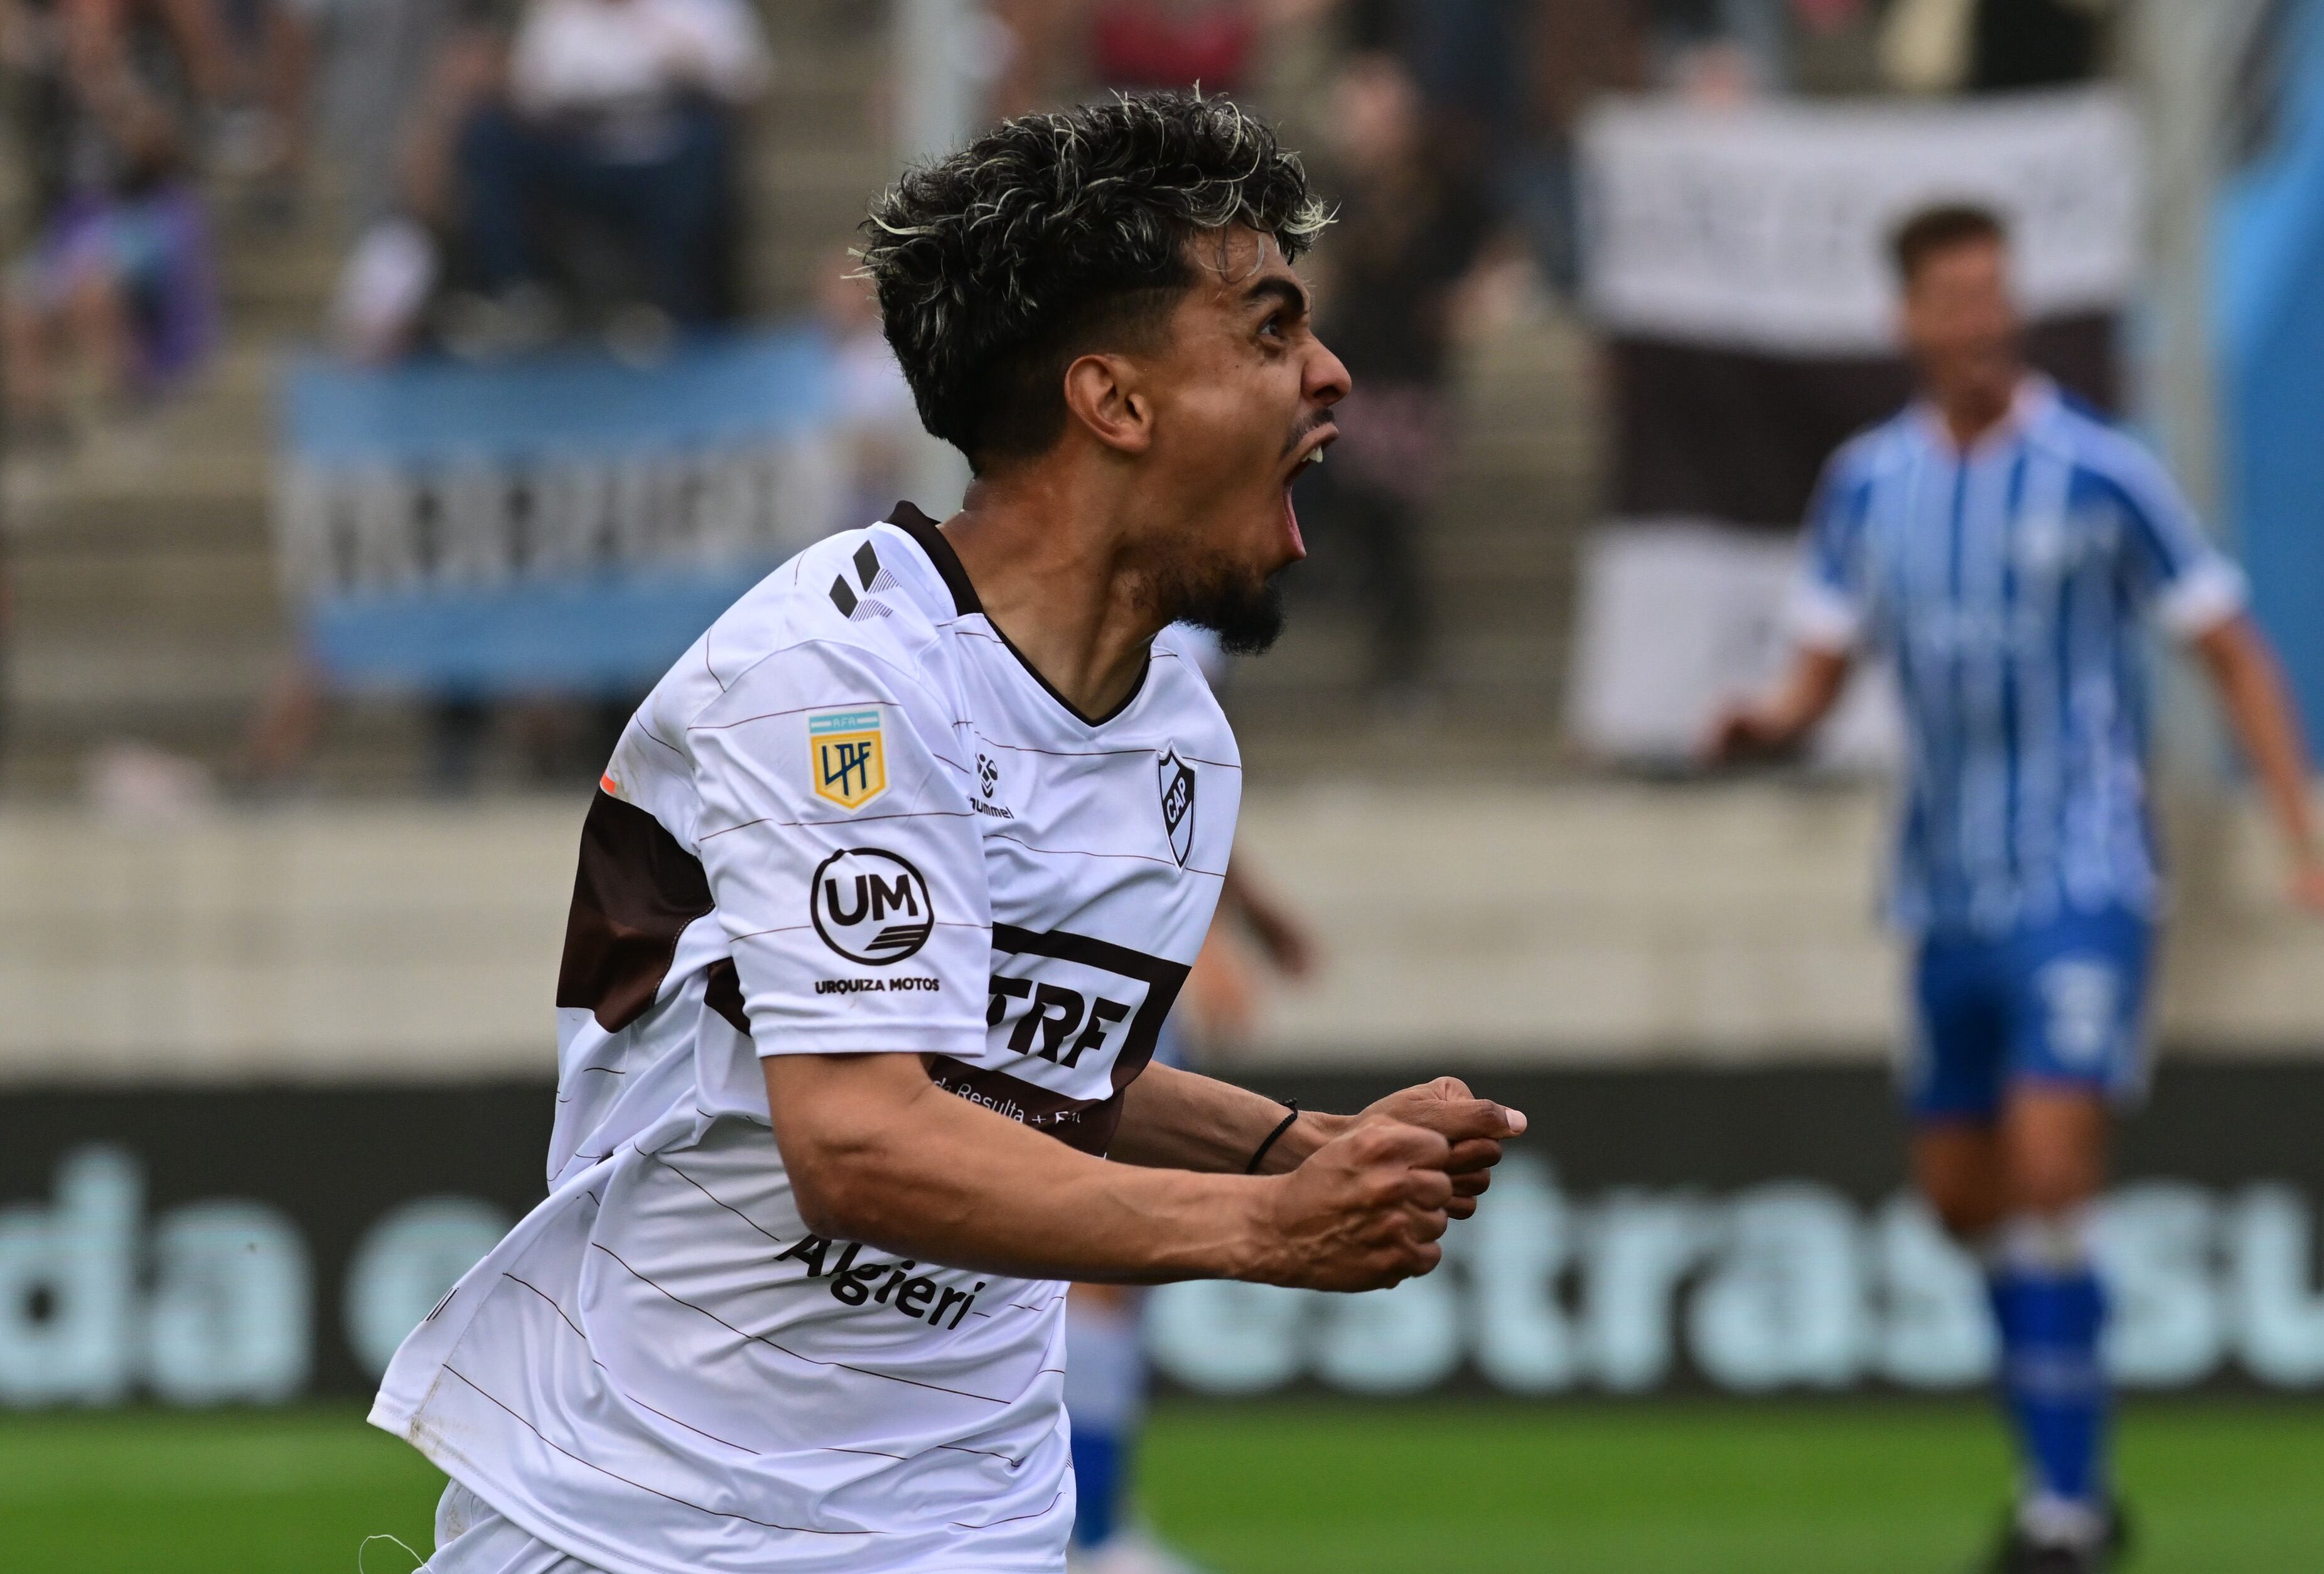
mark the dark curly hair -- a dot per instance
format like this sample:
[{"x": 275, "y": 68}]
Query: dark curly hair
[{"x": 1053, "y": 234}]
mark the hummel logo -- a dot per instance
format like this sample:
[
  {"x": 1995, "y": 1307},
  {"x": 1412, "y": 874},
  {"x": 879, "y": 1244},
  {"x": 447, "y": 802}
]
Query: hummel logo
[{"x": 988, "y": 778}]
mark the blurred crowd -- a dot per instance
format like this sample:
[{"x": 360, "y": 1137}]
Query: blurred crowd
[
  {"x": 1445, "y": 132},
  {"x": 512, "y": 170},
  {"x": 515, "y": 172}
]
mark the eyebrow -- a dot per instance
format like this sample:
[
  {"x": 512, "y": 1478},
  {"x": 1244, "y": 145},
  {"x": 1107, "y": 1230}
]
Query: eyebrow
[{"x": 1287, "y": 292}]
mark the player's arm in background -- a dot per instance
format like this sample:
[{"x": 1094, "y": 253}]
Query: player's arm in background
[
  {"x": 2201, "y": 598},
  {"x": 1826, "y": 617},
  {"x": 875, "y": 1150},
  {"x": 2243, "y": 666}
]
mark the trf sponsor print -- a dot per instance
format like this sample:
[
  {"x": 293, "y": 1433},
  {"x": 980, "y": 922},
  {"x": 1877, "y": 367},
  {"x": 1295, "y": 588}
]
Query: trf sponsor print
[{"x": 1051, "y": 1013}]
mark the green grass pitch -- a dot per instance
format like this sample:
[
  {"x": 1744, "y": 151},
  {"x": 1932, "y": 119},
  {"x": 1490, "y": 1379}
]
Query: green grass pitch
[{"x": 1318, "y": 1488}]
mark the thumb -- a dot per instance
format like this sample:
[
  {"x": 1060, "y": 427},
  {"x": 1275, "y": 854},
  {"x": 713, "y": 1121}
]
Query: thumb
[{"x": 1395, "y": 1143}]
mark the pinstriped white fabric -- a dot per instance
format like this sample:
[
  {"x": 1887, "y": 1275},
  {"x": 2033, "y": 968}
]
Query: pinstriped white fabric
[{"x": 851, "y": 819}]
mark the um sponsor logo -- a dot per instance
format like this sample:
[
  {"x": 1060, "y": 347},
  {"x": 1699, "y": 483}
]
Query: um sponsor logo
[{"x": 871, "y": 905}]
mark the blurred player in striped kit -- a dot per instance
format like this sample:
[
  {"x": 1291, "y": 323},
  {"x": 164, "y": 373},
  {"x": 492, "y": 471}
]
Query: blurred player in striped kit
[
  {"x": 2003, "y": 548},
  {"x": 1105, "y": 1354}
]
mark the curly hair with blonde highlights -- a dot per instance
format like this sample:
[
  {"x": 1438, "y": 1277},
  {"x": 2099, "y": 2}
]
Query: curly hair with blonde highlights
[{"x": 1052, "y": 236}]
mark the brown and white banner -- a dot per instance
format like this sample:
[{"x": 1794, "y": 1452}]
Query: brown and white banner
[
  {"x": 1764, "y": 226},
  {"x": 1737, "y": 263}
]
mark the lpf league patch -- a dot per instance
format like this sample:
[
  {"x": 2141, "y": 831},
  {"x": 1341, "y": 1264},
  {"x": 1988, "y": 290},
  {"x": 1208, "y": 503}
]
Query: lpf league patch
[
  {"x": 844, "y": 751},
  {"x": 1177, "y": 778}
]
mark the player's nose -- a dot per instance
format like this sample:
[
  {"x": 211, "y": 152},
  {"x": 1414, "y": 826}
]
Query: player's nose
[{"x": 1327, "y": 381}]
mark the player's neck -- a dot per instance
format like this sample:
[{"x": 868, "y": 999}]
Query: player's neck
[
  {"x": 1972, "y": 410},
  {"x": 1053, "y": 579}
]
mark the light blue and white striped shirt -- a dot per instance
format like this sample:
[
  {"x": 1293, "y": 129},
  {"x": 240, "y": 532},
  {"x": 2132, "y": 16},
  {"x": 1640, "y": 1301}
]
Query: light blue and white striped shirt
[{"x": 2008, "y": 585}]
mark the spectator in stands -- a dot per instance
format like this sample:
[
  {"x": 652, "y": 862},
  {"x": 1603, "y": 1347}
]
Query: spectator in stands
[
  {"x": 1393, "y": 271},
  {"x": 617, "y": 113},
  {"x": 1174, "y": 43},
  {"x": 264, "y": 132},
  {"x": 2035, "y": 43},
  {"x": 1990, "y": 46},
  {"x": 406, "y": 76},
  {"x": 1721, "y": 50},
  {"x": 1575, "y": 52},
  {"x": 1065, "y": 49},
  {"x": 118, "y": 279}
]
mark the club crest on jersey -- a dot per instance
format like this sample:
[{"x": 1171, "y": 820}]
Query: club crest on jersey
[
  {"x": 1177, "y": 778},
  {"x": 845, "y": 754}
]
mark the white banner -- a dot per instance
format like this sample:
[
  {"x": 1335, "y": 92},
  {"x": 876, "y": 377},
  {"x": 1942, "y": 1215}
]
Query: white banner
[
  {"x": 1677, "y": 618},
  {"x": 1766, "y": 226}
]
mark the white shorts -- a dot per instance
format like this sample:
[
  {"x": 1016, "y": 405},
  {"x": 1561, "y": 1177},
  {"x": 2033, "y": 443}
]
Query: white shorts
[{"x": 472, "y": 1537}]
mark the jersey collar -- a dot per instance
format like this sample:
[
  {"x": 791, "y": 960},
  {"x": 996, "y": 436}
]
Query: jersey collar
[
  {"x": 908, "y": 519},
  {"x": 2029, "y": 407}
]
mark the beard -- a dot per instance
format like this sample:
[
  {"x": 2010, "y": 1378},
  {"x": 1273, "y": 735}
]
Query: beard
[
  {"x": 1248, "y": 619},
  {"x": 1243, "y": 610}
]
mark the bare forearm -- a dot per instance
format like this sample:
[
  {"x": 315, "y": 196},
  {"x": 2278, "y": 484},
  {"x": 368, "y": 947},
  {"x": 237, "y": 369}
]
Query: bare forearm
[
  {"x": 927, "y": 1174},
  {"x": 878, "y": 1153},
  {"x": 1808, "y": 692},
  {"x": 2260, "y": 707},
  {"x": 1779, "y": 719},
  {"x": 1178, "y": 1119}
]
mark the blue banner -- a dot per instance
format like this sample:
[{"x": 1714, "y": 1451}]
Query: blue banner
[{"x": 559, "y": 524}]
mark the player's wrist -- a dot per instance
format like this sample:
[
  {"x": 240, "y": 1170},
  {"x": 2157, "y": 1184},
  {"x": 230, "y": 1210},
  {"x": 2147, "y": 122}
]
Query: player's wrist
[
  {"x": 1257, "y": 1249},
  {"x": 1305, "y": 1135}
]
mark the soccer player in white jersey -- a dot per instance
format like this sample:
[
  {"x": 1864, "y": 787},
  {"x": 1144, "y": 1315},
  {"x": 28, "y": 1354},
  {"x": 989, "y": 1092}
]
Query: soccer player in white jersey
[
  {"x": 2005, "y": 548},
  {"x": 888, "y": 889}
]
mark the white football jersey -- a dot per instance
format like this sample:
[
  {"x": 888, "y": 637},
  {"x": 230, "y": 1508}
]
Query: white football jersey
[{"x": 851, "y": 818}]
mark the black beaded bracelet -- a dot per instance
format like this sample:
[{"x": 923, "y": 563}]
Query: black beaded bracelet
[{"x": 1287, "y": 1123}]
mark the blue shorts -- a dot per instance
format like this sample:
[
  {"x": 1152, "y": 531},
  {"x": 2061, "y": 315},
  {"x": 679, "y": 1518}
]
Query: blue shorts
[{"x": 2063, "y": 1002}]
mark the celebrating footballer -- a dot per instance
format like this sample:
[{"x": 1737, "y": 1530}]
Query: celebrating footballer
[{"x": 885, "y": 894}]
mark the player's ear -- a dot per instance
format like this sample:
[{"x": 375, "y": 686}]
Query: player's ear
[{"x": 1103, "y": 394}]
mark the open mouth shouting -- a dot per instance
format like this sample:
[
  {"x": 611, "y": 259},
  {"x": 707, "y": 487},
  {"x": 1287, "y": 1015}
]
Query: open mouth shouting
[{"x": 1306, "y": 450}]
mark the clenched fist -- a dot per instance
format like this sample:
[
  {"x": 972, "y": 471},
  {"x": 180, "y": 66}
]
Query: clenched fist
[
  {"x": 1362, "y": 1214},
  {"x": 1474, "y": 1128}
]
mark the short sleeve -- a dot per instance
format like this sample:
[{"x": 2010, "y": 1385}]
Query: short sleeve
[
  {"x": 844, "y": 857},
  {"x": 2191, "y": 586},
  {"x": 1827, "y": 605}
]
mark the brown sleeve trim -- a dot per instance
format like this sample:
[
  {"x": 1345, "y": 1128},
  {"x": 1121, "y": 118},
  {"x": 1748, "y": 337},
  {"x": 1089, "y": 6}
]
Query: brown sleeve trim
[{"x": 634, "y": 892}]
